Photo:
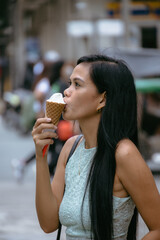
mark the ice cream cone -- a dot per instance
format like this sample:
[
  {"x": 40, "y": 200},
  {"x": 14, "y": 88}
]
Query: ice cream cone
[{"x": 54, "y": 111}]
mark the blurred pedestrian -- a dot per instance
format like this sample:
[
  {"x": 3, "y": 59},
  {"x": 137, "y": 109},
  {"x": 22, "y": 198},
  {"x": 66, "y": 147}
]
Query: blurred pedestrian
[
  {"x": 28, "y": 77},
  {"x": 33, "y": 109},
  {"x": 106, "y": 179}
]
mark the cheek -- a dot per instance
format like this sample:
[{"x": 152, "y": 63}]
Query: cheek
[
  {"x": 81, "y": 105},
  {"x": 89, "y": 107},
  {"x": 86, "y": 105},
  {"x": 75, "y": 109}
]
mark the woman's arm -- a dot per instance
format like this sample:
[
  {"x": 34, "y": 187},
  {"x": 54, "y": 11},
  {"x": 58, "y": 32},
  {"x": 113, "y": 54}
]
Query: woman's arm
[
  {"x": 48, "y": 201},
  {"x": 46, "y": 204},
  {"x": 138, "y": 181},
  {"x": 152, "y": 235}
]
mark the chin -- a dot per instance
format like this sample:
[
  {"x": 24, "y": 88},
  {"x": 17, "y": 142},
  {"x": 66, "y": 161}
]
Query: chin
[{"x": 67, "y": 117}]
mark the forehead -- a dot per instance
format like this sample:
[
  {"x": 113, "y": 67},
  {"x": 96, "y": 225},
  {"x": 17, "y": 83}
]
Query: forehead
[{"x": 82, "y": 71}]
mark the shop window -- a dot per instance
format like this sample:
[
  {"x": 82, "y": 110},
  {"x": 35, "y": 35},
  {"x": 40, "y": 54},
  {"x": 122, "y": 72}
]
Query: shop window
[{"x": 149, "y": 37}]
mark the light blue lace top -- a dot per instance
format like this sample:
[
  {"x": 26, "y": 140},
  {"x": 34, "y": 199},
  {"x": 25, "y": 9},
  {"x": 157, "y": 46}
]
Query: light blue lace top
[{"x": 76, "y": 175}]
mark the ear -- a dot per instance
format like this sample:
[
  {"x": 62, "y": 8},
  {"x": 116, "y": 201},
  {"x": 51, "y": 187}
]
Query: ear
[{"x": 102, "y": 102}]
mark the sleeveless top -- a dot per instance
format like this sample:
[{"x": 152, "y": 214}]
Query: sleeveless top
[{"x": 70, "y": 213}]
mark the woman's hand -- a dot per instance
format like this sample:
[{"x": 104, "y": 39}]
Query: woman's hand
[{"x": 43, "y": 133}]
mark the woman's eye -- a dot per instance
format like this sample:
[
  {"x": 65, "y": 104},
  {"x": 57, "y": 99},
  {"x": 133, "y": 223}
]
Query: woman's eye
[{"x": 77, "y": 84}]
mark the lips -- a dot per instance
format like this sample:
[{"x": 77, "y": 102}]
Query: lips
[
  {"x": 65, "y": 108},
  {"x": 64, "y": 99}
]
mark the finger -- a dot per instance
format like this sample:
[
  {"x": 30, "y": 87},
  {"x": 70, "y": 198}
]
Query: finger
[
  {"x": 44, "y": 126},
  {"x": 42, "y": 143},
  {"x": 42, "y": 120},
  {"x": 47, "y": 134}
]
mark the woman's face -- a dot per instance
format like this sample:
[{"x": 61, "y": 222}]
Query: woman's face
[{"x": 82, "y": 97}]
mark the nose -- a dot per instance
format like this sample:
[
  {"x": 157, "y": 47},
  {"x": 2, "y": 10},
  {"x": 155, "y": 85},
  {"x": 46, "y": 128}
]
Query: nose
[{"x": 67, "y": 92}]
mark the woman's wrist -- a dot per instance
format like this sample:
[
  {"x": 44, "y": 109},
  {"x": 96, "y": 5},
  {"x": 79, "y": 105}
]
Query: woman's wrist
[{"x": 40, "y": 158}]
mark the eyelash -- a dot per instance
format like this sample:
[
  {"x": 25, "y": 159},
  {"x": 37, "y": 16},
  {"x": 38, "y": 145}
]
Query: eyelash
[{"x": 76, "y": 84}]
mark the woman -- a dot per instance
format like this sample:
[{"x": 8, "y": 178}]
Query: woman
[{"x": 106, "y": 179}]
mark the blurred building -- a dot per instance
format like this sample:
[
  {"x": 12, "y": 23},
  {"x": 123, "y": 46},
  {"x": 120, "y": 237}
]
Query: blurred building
[
  {"x": 141, "y": 18},
  {"x": 30, "y": 28}
]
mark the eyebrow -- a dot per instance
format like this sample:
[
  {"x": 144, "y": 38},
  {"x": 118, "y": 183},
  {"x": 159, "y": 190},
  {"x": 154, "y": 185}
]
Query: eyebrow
[{"x": 76, "y": 78}]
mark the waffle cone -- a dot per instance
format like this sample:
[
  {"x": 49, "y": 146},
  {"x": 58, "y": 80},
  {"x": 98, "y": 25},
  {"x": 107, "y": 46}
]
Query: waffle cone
[{"x": 54, "y": 111}]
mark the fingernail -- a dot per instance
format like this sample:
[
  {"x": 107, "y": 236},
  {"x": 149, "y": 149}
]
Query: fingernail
[{"x": 48, "y": 119}]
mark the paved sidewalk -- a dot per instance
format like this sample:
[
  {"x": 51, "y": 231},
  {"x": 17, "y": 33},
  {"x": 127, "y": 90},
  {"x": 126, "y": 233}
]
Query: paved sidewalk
[{"x": 18, "y": 219}]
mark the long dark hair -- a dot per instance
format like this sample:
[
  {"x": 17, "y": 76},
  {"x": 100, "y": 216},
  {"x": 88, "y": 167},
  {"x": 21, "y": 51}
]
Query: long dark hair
[{"x": 118, "y": 121}]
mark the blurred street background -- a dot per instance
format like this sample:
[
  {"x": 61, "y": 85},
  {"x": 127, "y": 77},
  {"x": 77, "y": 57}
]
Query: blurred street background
[{"x": 40, "y": 41}]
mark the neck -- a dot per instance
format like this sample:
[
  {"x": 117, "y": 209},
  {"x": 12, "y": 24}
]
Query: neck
[{"x": 89, "y": 129}]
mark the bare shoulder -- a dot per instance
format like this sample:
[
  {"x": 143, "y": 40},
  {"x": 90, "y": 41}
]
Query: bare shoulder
[
  {"x": 130, "y": 165},
  {"x": 127, "y": 152},
  {"x": 125, "y": 147},
  {"x": 71, "y": 140},
  {"x": 67, "y": 147}
]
